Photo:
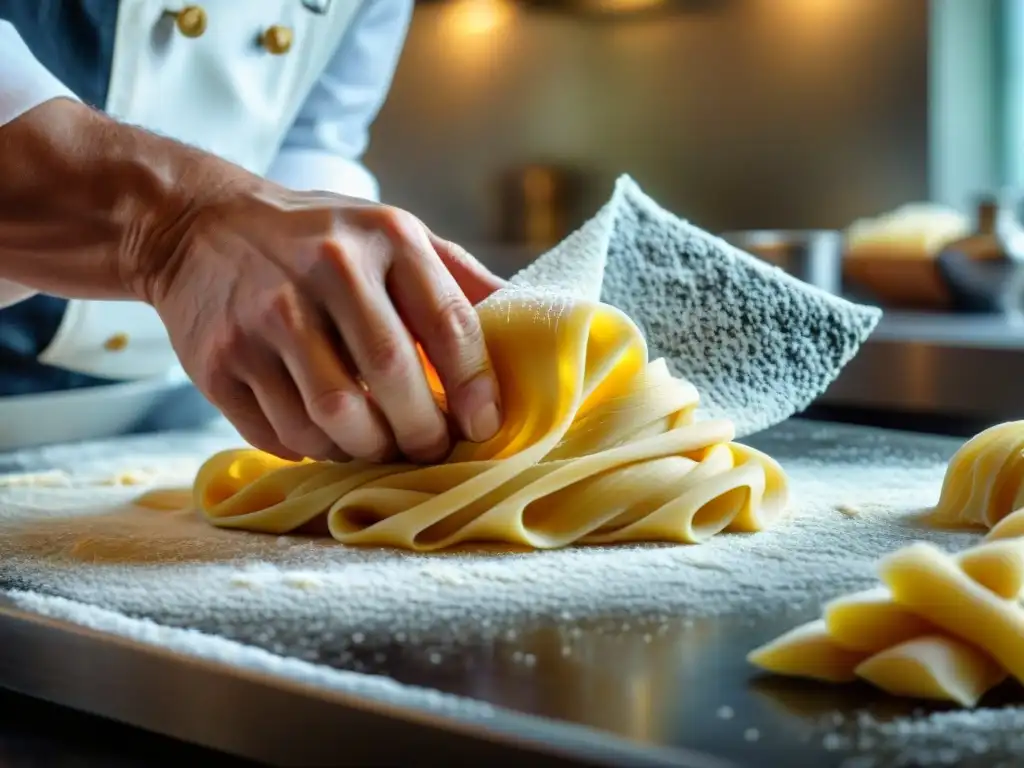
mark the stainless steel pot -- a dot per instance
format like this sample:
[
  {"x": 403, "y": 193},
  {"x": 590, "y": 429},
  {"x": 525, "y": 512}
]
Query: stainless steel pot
[{"x": 814, "y": 256}]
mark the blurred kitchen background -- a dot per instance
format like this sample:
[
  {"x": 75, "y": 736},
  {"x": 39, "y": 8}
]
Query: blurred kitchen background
[
  {"x": 874, "y": 147},
  {"x": 729, "y": 112}
]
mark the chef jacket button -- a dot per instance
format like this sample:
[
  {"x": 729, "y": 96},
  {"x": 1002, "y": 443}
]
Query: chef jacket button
[
  {"x": 116, "y": 343},
  {"x": 277, "y": 40},
  {"x": 191, "y": 20}
]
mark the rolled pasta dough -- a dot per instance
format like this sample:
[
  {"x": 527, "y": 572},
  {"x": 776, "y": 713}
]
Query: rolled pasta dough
[
  {"x": 599, "y": 445},
  {"x": 984, "y": 481},
  {"x": 943, "y": 627}
]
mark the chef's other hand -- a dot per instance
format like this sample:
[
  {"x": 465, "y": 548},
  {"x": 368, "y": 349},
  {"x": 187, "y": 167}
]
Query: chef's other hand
[{"x": 299, "y": 314}]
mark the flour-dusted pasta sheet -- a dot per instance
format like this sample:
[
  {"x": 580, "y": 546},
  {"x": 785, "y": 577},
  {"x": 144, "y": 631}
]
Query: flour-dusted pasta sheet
[{"x": 758, "y": 344}]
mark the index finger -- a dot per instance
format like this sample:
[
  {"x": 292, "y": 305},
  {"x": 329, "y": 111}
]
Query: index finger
[
  {"x": 441, "y": 317},
  {"x": 476, "y": 281}
]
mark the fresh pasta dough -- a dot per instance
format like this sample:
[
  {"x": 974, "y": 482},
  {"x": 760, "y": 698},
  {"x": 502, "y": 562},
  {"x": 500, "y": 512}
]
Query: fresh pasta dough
[
  {"x": 984, "y": 481},
  {"x": 599, "y": 445},
  {"x": 942, "y": 627}
]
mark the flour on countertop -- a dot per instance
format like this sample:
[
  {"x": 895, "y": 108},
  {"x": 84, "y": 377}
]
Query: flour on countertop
[
  {"x": 86, "y": 542},
  {"x": 966, "y": 738},
  {"x": 986, "y": 737},
  {"x": 217, "y": 649}
]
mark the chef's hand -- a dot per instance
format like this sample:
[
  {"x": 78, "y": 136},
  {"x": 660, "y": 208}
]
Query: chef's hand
[{"x": 298, "y": 315}]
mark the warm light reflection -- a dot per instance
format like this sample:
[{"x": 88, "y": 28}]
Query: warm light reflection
[
  {"x": 469, "y": 18},
  {"x": 433, "y": 379},
  {"x": 811, "y": 13},
  {"x": 621, "y": 6}
]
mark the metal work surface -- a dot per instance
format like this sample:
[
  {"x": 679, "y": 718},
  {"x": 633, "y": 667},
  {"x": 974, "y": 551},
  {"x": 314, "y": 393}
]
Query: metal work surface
[
  {"x": 258, "y": 717},
  {"x": 605, "y": 685},
  {"x": 682, "y": 694},
  {"x": 966, "y": 368}
]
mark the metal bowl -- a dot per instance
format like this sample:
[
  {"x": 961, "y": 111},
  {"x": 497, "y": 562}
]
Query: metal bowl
[{"x": 814, "y": 256}]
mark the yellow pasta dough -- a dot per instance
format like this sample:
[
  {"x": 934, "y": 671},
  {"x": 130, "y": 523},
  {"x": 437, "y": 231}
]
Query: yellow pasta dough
[
  {"x": 809, "y": 651},
  {"x": 943, "y": 627},
  {"x": 998, "y": 566},
  {"x": 933, "y": 667},
  {"x": 984, "y": 481},
  {"x": 1010, "y": 527},
  {"x": 870, "y": 621},
  {"x": 598, "y": 445}
]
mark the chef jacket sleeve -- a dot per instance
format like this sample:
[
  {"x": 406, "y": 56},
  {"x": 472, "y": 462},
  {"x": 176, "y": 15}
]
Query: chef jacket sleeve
[
  {"x": 24, "y": 82},
  {"x": 323, "y": 148},
  {"x": 117, "y": 340}
]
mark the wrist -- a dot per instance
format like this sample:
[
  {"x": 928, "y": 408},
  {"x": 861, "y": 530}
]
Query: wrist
[
  {"x": 194, "y": 189},
  {"x": 90, "y": 207}
]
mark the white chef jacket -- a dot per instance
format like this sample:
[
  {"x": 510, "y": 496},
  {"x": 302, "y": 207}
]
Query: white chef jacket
[{"x": 301, "y": 119}]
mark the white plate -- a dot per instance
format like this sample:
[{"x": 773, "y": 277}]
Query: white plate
[{"x": 93, "y": 413}]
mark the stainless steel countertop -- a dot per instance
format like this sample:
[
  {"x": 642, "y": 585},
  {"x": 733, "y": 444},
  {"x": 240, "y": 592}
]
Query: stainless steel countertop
[
  {"x": 633, "y": 691},
  {"x": 951, "y": 330},
  {"x": 951, "y": 369}
]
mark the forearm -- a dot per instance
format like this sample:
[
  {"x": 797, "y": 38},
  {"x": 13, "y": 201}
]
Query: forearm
[{"x": 83, "y": 199}]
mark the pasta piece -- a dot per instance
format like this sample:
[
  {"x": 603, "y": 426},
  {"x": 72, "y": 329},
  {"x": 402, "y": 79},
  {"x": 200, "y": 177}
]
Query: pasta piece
[
  {"x": 984, "y": 481},
  {"x": 933, "y": 667},
  {"x": 599, "y": 445},
  {"x": 998, "y": 566},
  {"x": 943, "y": 627},
  {"x": 808, "y": 651},
  {"x": 928, "y": 582},
  {"x": 1010, "y": 527},
  {"x": 870, "y": 621}
]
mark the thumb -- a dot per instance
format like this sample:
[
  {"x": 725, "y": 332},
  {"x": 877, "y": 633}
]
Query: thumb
[{"x": 475, "y": 280}]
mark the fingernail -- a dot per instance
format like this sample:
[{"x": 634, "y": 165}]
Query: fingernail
[
  {"x": 486, "y": 423},
  {"x": 481, "y": 404}
]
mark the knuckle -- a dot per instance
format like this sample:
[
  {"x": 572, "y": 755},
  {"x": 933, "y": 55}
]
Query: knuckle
[
  {"x": 457, "y": 322},
  {"x": 228, "y": 345},
  {"x": 338, "y": 262},
  {"x": 348, "y": 417},
  {"x": 384, "y": 357},
  {"x": 216, "y": 384},
  {"x": 459, "y": 349},
  {"x": 283, "y": 313},
  {"x": 398, "y": 224},
  {"x": 307, "y": 440},
  {"x": 335, "y": 406}
]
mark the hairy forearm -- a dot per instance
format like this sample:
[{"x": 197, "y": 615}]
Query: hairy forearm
[{"x": 86, "y": 201}]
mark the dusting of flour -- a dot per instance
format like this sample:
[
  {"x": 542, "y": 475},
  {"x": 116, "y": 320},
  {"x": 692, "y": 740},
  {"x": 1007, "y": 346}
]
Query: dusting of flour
[{"x": 85, "y": 541}]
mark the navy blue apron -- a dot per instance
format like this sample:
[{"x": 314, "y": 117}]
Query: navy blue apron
[{"x": 73, "y": 39}]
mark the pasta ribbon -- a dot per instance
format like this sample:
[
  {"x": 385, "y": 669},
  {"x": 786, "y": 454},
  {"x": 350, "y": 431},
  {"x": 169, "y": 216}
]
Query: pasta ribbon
[{"x": 599, "y": 445}]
